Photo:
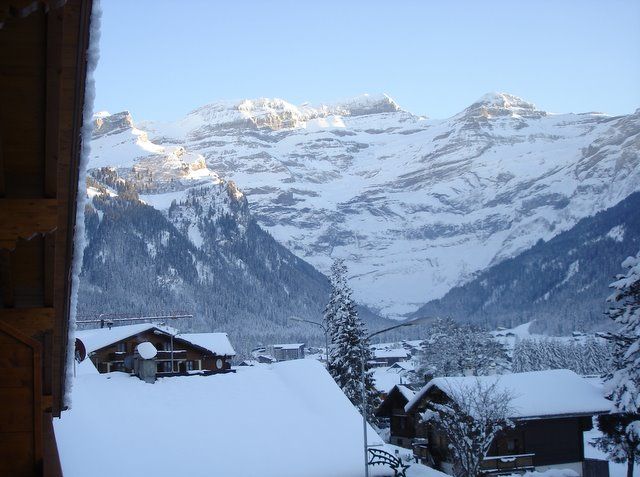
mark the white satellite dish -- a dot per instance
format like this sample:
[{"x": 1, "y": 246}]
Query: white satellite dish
[{"x": 146, "y": 350}]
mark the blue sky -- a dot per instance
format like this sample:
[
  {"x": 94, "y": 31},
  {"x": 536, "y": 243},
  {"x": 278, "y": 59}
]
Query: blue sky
[{"x": 160, "y": 59}]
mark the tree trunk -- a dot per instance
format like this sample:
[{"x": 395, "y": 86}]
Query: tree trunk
[{"x": 630, "y": 463}]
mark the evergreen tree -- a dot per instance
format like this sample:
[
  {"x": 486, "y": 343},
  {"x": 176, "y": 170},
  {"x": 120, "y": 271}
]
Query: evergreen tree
[
  {"x": 622, "y": 430},
  {"x": 349, "y": 346},
  {"x": 452, "y": 349}
]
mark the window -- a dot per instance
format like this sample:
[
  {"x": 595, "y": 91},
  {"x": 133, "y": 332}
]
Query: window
[
  {"x": 121, "y": 347},
  {"x": 190, "y": 365}
]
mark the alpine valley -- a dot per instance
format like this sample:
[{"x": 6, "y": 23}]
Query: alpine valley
[{"x": 415, "y": 206}]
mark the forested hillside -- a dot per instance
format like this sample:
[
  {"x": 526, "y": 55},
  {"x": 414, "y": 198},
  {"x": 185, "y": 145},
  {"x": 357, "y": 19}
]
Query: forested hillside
[{"x": 562, "y": 284}]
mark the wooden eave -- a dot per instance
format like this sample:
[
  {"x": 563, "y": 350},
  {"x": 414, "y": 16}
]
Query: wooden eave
[{"x": 43, "y": 47}]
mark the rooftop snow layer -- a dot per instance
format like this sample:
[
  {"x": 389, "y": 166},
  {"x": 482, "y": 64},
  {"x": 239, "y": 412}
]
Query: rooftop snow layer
[
  {"x": 99, "y": 338},
  {"x": 391, "y": 353},
  {"x": 289, "y": 419},
  {"x": 217, "y": 343},
  {"x": 538, "y": 393}
]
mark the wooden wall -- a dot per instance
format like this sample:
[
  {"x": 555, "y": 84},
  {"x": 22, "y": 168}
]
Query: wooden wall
[{"x": 42, "y": 80}]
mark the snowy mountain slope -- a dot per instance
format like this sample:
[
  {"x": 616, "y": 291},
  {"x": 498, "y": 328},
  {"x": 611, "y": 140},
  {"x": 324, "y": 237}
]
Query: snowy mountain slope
[
  {"x": 416, "y": 206},
  {"x": 562, "y": 284},
  {"x": 164, "y": 233}
]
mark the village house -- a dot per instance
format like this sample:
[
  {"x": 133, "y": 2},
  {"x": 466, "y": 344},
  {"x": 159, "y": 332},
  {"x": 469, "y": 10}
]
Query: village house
[
  {"x": 388, "y": 357},
  {"x": 550, "y": 410},
  {"x": 402, "y": 425},
  {"x": 114, "y": 349}
]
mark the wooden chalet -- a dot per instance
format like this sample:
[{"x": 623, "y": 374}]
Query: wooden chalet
[
  {"x": 402, "y": 425},
  {"x": 43, "y": 61},
  {"x": 550, "y": 410},
  {"x": 114, "y": 349}
]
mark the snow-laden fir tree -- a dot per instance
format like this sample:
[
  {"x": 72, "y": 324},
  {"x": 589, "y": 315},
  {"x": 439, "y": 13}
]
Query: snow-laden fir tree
[
  {"x": 621, "y": 430},
  {"x": 339, "y": 286},
  {"x": 454, "y": 349},
  {"x": 349, "y": 346}
]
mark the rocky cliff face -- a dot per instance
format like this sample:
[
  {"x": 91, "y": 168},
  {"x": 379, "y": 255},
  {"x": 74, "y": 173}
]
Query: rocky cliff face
[{"x": 416, "y": 206}]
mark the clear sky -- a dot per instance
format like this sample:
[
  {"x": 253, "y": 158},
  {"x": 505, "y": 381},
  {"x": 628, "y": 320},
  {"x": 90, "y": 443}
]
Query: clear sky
[{"x": 160, "y": 59}]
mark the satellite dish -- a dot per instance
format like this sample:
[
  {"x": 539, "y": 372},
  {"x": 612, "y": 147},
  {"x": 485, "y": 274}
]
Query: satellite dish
[
  {"x": 81, "y": 351},
  {"x": 146, "y": 350}
]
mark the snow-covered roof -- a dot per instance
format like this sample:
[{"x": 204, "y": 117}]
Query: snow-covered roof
[
  {"x": 288, "y": 345},
  {"x": 554, "y": 392},
  {"x": 287, "y": 420},
  {"x": 406, "y": 392},
  {"x": 385, "y": 379},
  {"x": 391, "y": 353},
  {"x": 96, "y": 339},
  {"x": 217, "y": 343},
  {"x": 403, "y": 366}
]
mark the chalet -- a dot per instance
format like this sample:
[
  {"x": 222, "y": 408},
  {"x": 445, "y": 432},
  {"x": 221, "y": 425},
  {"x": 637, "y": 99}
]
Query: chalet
[
  {"x": 287, "y": 351},
  {"x": 113, "y": 349},
  {"x": 388, "y": 357},
  {"x": 402, "y": 425},
  {"x": 550, "y": 410}
]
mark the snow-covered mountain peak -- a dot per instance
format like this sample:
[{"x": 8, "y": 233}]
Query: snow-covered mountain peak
[
  {"x": 365, "y": 104},
  {"x": 105, "y": 123},
  {"x": 120, "y": 145},
  {"x": 416, "y": 206},
  {"x": 492, "y": 105}
]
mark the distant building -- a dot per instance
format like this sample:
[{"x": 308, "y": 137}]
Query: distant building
[
  {"x": 287, "y": 351},
  {"x": 114, "y": 349},
  {"x": 387, "y": 357},
  {"x": 550, "y": 410}
]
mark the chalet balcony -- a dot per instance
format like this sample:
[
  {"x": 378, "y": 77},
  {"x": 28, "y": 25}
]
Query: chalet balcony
[
  {"x": 506, "y": 464},
  {"x": 165, "y": 355}
]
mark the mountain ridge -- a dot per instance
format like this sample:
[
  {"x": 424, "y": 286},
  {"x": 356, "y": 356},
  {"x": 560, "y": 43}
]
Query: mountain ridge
[{"x": 416, "y": 206}]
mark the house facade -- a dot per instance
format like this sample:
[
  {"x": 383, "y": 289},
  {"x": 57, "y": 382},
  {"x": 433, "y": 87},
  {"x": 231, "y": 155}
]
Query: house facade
[
  {"x": 402, "y": 425},
  {"x": 114, "y": 349},
  {"x": 550, "y": 410}
]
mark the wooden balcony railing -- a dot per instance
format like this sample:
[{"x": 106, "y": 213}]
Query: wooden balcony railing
[{"x": 506, "y": 463}]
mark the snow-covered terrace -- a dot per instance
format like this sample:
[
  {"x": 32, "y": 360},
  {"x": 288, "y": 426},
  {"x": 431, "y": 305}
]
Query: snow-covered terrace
[{"x": 286, "y": 419}]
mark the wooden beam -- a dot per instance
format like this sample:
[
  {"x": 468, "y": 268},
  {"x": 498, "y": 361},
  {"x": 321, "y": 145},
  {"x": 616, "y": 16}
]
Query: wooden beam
[
  {"x": 75, "y": 46},
  {"x": 49, "y": 268},
  {"x": 24, "y": 218},
  {"x": 6, "y": 279},
  {"x": 29, "y": 321},
  {"x": 36, "y": 389},
  {"x": 52, "y": 94},
  {"x": 2, "y": 188}
]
